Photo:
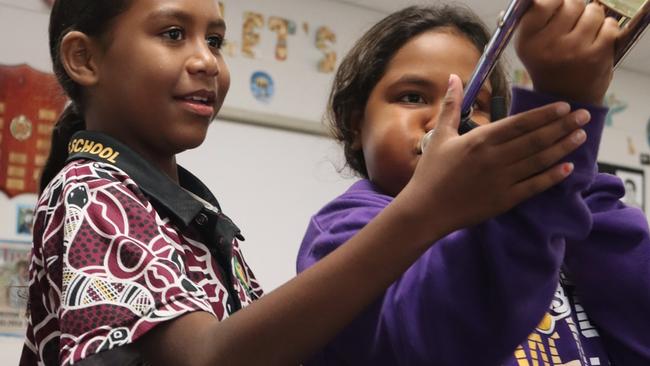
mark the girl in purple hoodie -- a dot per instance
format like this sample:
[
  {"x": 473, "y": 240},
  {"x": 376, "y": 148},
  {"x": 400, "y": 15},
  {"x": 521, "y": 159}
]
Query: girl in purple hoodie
[{"x": 561, "y": 279}]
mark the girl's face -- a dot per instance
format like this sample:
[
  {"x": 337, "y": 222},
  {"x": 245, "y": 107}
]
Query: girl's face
[
  {"x": 162, "y": 78},
  {"x": 405, "y": 102}
]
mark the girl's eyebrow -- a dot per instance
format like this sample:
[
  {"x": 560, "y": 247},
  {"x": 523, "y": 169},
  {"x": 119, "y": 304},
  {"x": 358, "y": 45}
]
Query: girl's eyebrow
[
  {"x": 413, "y": 79},
  {"x": 183, "y": 17}
]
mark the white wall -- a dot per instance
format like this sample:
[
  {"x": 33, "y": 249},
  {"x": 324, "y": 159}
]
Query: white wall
[{"x": 269, "y": 182}]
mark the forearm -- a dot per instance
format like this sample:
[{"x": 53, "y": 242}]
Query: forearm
[{"x": 300, "y": 317}]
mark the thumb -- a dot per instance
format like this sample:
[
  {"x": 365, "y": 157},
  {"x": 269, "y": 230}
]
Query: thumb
[{"x": 449, "y": 117}]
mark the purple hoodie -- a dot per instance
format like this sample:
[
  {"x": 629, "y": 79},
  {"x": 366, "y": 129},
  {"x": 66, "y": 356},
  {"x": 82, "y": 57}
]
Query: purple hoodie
[{"x": 514, "y": 290}]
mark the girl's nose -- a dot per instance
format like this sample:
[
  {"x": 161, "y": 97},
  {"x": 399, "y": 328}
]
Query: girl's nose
[
  {"x": 430, "y": 120},
  {"x": 429, "y": 127},
  {"x": 203, "y": 61}
]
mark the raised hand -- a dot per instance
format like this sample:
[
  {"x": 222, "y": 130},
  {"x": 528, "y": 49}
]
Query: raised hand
[
  {"x": 568, "y": 49},
  {"x": 463, "y": 180}
]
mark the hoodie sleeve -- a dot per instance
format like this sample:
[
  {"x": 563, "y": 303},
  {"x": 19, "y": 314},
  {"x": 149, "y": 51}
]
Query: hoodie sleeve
[
  {"x": 611, "y": 272},
  {"x": 475, "y": 294}
]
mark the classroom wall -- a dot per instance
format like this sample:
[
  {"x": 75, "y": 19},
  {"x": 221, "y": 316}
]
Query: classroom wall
[{"x": 271, "y": 180}]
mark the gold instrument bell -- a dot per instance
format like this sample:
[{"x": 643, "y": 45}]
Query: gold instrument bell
[{"x": 633, "y": 17}]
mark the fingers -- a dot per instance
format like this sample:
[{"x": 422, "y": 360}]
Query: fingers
[
  {"x": 541, "y": 161},
  {"x": 566, "y": 18},
  {"x": 543, "y": 138},
  {"x": 449, "y": 116},
  {"x": 608, "y": 34},
  {"x": 540, "y": 182},
  {"x": 538, "y": 16},
  {"x": 520, "y": 124},
  {"x": 590, "y": 22}
]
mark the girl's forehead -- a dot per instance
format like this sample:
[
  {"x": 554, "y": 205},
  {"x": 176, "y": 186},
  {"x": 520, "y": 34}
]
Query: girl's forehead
[
  {"x": 431, "y": 55},
  {"x": 436, "y": 46},
  {"x": 188, "y": 8}
]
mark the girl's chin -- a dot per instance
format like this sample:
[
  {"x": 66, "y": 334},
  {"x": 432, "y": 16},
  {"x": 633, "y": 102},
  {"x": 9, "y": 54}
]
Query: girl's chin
[{"x": 187, "y": 140}]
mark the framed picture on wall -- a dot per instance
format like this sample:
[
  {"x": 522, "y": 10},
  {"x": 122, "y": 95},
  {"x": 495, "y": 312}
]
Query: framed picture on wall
[{"x": 633, "y": 180}]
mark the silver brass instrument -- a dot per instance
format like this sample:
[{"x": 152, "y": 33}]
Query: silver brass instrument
[{"x": 633, "y": 17}]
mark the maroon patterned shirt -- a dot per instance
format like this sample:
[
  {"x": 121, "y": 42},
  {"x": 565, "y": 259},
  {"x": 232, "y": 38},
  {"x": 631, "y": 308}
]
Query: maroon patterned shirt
[{"x": 119, "y": 248}]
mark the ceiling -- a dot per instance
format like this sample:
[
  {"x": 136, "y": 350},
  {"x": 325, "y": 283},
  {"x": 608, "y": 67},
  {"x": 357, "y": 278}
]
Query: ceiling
[{"x": 638, "y": 60}]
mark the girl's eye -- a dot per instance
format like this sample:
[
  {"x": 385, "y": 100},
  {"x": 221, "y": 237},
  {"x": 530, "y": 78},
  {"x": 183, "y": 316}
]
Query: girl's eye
[
  {"x": 412, "y": 98},
  {"x": 215, "y": 41},
  {"x": 174, "y": 34},
  {"x": 479, "y": 109},
  {"x": 481, "y": 106}
]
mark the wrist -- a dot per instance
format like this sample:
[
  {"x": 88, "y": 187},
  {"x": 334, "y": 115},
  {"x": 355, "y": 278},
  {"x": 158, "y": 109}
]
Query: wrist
[
  {"x": 418, "y": 219},
  {"x": 573, "y": 97},
  {"x": 524, "y": 99}
]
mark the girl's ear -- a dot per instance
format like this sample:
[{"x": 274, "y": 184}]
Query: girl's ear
[{"x": 78, "y": 58}]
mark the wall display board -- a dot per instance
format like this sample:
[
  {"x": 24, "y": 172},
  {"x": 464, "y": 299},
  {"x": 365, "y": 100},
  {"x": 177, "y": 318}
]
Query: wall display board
[
  {"x": 283, "y": 55},
  {"x": 30, "y": 102}
]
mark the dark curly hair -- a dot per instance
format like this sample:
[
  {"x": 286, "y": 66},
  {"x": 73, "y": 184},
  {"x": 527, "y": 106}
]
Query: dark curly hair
[{"x": 365, "y": 64}]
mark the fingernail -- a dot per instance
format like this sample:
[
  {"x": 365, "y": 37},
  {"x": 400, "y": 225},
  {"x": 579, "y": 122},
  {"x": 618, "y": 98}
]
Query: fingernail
[
  {"x": 563, "y": 109},
  {"x": 582, "y": 117},
  {"x": 567, "y": 168},
  {"x": 450, "y": 85},
  {"x": 579, "y": 137}
]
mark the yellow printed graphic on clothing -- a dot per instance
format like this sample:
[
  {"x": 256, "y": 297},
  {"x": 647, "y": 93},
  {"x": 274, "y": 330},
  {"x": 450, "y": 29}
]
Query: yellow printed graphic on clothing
[
  {"x": 566, "y": 324},
  {"x": 560, "y": 309},
  {"x": 541, "y": 353},
  {"x": 538, "y": 352},
  {"x": 540, "y": 348}
]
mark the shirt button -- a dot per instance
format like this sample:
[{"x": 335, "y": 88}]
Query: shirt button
[
  {"x": 229, "y": 308},
  {"x": 202, "y": 219}
]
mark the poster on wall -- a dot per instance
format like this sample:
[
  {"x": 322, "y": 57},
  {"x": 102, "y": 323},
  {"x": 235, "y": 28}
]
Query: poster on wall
[
  {"x": 14, "y": 275},
  {"x": 633, "y": 180}
]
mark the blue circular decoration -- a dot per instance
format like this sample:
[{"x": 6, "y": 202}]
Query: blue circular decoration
[{"x": 262, "y": 86}]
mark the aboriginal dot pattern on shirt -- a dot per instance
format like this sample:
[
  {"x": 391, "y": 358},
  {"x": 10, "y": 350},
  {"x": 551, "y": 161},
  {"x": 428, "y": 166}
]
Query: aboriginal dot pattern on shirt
[{"x": 106, "y": 267}]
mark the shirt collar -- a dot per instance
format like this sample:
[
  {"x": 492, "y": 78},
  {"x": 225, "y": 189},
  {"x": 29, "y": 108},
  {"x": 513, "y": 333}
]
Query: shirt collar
[{"x": 175, "y": 198}]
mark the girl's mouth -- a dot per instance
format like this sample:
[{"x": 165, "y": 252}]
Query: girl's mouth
[
  {"x": 200, "y": 102},
  {"x": 200, "y": 108}
]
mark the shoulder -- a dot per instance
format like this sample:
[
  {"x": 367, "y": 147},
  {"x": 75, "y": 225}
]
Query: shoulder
[
  {"x": 86, "y": 192},
  {"x": 360, "y": 203},
  {"x": 339, "y": 220},
  {"x": 84, "y": 177}
]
